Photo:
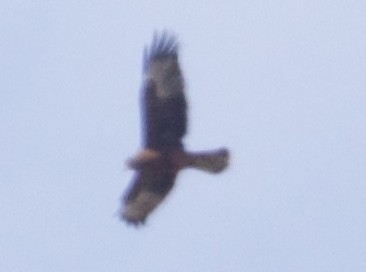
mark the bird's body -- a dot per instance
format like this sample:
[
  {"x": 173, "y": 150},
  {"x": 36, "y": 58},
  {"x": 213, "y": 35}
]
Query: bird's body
[{"x": 164, "y": 111}]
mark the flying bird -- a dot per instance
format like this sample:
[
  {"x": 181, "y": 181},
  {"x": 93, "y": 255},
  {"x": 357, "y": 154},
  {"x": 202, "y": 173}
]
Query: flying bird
[{"x": 164, "y": 123}]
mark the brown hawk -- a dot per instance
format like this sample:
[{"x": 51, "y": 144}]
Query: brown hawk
[{"x": 164, "y": 111}]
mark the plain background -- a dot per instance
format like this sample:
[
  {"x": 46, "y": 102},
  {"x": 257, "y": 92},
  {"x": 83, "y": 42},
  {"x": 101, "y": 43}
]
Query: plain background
[{"x": 281, "y": 83}]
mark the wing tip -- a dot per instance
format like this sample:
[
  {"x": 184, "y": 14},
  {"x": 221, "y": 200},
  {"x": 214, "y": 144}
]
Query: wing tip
[
  {"x": 136, "y": 208},
  {"x": 164, "y": 44},
  {"x": 131, "y": 221},
  {"x": 131, "y": 218}
]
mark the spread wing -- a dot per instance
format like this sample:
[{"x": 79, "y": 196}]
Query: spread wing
[
  {"x": 164, "y": 124},
  {"x": 148, "y": 190},
  {"x": 163, "y": 101}
]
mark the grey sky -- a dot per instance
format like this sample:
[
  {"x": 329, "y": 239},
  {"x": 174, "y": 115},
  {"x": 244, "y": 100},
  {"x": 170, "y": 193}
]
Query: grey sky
[{"x": 281, "y": 83}]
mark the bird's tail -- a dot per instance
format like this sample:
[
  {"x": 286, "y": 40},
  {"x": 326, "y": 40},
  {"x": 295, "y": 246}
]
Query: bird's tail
[{"x": 209, "y": 161}]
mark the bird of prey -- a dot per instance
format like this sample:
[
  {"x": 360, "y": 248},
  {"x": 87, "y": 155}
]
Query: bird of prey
[{"x": 164, "y": 114}]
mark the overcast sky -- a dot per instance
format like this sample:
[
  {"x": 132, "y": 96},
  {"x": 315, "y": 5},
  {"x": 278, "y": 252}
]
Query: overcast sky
[{"x": 281, "y": 83}]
